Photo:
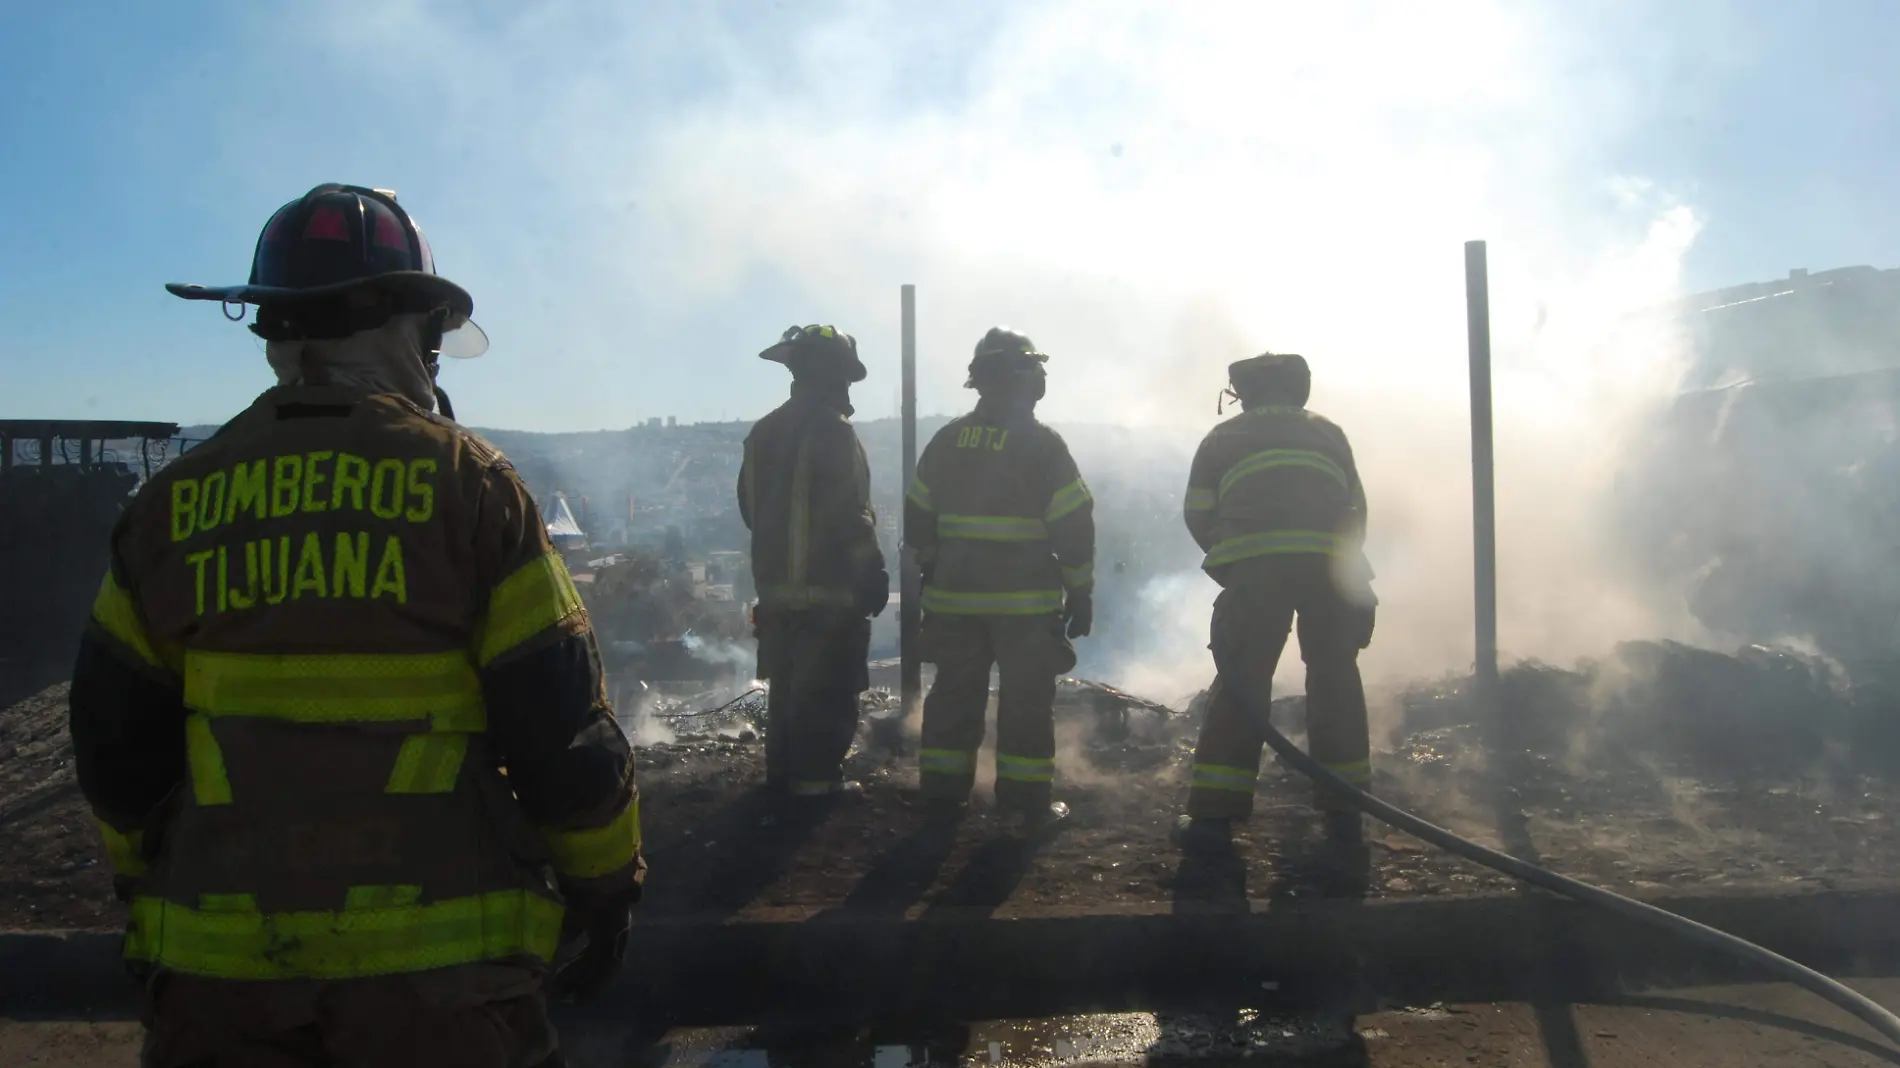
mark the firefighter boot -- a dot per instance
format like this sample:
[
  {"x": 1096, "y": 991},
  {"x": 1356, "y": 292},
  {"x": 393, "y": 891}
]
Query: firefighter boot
[
  {"x": 1207, "y": 834},
  {"x": 1037, "y": 822},
  {"x": 1345, "y": 830}
]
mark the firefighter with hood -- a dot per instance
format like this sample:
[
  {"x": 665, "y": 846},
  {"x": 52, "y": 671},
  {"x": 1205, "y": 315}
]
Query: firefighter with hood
[
  {"x": 805, "y": 493},
  {"x": 339, "y": 709},
  {"x": 1003, "y": 529},
  {"x": 1275, "y": 502}
]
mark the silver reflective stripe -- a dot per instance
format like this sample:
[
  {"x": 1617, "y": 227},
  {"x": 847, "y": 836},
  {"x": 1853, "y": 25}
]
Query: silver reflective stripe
[
  {"x": 1272, "y": 542},
  {"x": 1066, "y": 500},
  {"x": 798, "y": 545},
  {"x": 1282, "y": 458},
  {"x": 1012, "y": 603}
]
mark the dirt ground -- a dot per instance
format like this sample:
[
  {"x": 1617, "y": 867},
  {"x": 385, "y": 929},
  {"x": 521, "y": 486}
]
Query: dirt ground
[
  {"x": 53, "y": 872},
  {"x": 1674, "y": 806}
]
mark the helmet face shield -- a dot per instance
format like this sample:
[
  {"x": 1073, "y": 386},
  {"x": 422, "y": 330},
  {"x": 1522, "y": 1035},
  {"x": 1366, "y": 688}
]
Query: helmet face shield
[{"x": 465, "y": 342}]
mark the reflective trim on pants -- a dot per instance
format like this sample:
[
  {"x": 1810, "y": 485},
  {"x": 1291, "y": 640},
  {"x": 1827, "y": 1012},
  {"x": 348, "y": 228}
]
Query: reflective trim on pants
[
  {"x": 1224, "y": 777},
  {"x": 947, "y": 761},
  {"x": 1356, "y": 772},
  {"x": 1025, "y": 769}
]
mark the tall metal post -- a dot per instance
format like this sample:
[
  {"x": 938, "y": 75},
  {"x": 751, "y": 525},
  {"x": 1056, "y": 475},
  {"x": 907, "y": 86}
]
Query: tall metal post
[
  {"x": 1483, "y": 495},
  {"x": 910, "y": 583}
]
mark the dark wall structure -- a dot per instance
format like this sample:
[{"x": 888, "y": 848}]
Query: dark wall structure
[
  {"x": 1770, "y": 489},
  {"x": 62, "y": 487}
]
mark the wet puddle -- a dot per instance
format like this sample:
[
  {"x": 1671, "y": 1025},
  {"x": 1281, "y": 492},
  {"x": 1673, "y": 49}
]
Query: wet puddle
[{"x": 1244, "y": 1037}]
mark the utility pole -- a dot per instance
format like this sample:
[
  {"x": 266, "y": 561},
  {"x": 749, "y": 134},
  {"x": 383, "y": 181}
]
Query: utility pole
[
  {"x": 910, "y": 580},
  {"x": 1483, "y": 493}
]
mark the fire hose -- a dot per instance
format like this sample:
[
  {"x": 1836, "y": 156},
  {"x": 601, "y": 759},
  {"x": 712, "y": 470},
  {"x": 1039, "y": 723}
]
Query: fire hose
[{"x": 1839, "y": 994}]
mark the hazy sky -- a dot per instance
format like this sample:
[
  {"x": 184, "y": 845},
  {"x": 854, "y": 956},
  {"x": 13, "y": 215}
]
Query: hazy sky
[{"x": 642, "y": 195}]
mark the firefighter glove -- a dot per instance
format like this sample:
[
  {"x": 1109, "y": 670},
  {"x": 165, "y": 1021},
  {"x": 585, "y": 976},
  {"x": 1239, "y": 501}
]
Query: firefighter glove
[
  {"x": 873, "y": 594},
  {"x": 1078, "y": 613},
  {"x": 587, "y": 975}
]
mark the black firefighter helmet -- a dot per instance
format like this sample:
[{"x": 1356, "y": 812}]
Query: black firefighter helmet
[
  {"x": 1004, "y": 353},
  {"x": 1282, "y": 376},
  {"x": 344, "y": 258},
  {"x": 817, "y": 350}
]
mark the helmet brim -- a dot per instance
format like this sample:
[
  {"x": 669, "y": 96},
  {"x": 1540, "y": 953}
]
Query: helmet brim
[
  {"x": 426, "y": 289},
  {"x": 781, "y": 353},
  {"x": 462, "y": 340}
]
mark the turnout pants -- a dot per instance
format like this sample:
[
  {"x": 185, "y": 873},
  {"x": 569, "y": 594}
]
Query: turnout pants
[
  {"x": 1029, "y": 653},
  {"x": 815, "y": 663},
  {"x": 478, "y": 1016},
  {"x": 1252, "y": 617}
]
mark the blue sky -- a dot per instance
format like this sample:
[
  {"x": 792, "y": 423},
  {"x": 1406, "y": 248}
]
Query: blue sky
[{"x": 641, "y": 196}]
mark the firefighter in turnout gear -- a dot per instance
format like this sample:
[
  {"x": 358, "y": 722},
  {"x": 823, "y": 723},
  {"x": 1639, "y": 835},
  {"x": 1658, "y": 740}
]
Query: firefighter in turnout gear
[
  {"x": 339, "y": 709},
  {"x": 1275, "y": 501},
  {"x": 1004, "y": 531},
  {"x": 805, "y": 493}
]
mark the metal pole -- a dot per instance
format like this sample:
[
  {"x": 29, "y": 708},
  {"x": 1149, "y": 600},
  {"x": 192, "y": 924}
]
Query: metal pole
[
  {"x": 910, "y": 581},
  {"x": 1483, "y": 495}
]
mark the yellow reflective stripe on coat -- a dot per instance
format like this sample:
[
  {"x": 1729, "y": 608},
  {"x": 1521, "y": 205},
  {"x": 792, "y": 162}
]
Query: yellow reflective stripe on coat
[
  {"x": 1066, "y": 500},
  {"x": 1201, "y": 499},
  {"x": 338, "y": 688},
  {"x": 210, "y": 785},
  {"x": 1274, "y": 458},
  {"x": 798, "y": 526},
  {"x": 947, "y": 761},
  {"x": 125, "y": 851},
  {"x": 428, "y": 763},
  {"x": 537, "y": 596},
  {"x": 115, "y": 613},
  {"x": 1223, "y": 777},
  {"x": 1079, "y": 577},
  {"x": 1273, "y": 542},
  {"x": 1025, "y": 769},
  {"x": 919, "y": 494},
  {"x": 598, "y": 850},
  {"x": 345, "y": 944},
  {"x": 991, "y": 528},
  {"x": 1012, "y": 603}
]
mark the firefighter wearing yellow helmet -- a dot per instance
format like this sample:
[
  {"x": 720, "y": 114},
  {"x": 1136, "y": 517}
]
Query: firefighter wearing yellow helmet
[
  {"x": 805, "y": 494},
  {"x": 1003, "y": 527}
]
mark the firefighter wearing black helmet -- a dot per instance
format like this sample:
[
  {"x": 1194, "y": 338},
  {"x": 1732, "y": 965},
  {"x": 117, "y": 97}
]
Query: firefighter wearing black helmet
[
  {"x": 1003, "y": 527},
  {"x": 805, "y": 493},
  {"x": 339, "y": 709},
  {"x": 1275, "y": 501}
]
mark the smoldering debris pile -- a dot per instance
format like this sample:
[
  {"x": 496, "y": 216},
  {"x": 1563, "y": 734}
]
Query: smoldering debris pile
[{"x": 1761, "y": 712}]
